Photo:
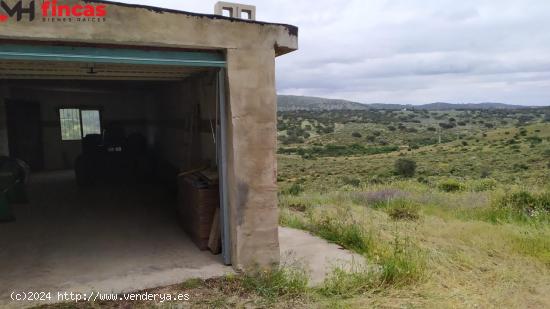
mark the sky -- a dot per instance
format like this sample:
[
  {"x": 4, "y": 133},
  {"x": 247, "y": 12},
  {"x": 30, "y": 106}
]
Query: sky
[{"x": 410, "y": 51}]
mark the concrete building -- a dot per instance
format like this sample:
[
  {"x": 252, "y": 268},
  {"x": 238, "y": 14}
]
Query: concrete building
[{"x": 200, "y": 89}]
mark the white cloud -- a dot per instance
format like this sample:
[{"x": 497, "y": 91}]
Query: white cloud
[{"x": 402, "y": 51}]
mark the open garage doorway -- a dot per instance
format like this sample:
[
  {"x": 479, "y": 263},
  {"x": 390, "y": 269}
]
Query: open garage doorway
[{"x": 116, "y": 152}]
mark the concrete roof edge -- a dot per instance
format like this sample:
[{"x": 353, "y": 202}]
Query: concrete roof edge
[{"x": 292, "y": 30}]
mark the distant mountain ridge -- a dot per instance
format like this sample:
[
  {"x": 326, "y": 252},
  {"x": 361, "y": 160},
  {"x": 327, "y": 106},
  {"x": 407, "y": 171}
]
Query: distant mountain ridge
[{"x": 294, "y": 103}]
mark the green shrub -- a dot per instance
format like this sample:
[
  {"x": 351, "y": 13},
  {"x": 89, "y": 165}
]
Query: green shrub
[
  {"x": 526, "y": 202},
  {"x": 485, "y": 172},
  {"x": 405, "y": 167},
  {"x": 295, "y": 189},
  {"x": 450, "y": 185},
  {"x": 483, "y": 185},
  {"x": 520, "y": 167},
  {"x": 423, "y": 180},
  {"x": 356, "y": 135},
  {"x": 351, "y": 181},
  {"x": 403, "y": 210}
]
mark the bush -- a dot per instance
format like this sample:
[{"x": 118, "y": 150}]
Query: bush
[
  {"x": 450, "y": 185},
  {"x": 520, "y": 167},
  {"x": 351, "y": 181},
  {"x": 356, "y": 135},
  {"x": 447, "y": 125},
  {"x": 483, "y": 185},
  {"x": 405, "y": 167},
  {"x": 423, "y": 180},
  {"x": 403, "y": 210},
  {"x": 525, "y": 202},
  {"x": 295, "y": 189},
  {"x": 534, "y": 139},
  {"x": 485, "y": 172}
]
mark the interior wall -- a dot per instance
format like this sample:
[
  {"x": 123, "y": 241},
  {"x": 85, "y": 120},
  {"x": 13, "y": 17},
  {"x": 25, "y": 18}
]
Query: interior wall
[
  {"x": 4, "y": 149},
  {"x": 177, "y": 118},
  {"x": 127, "y": 108},
  {"x": 186, "y": 124}
]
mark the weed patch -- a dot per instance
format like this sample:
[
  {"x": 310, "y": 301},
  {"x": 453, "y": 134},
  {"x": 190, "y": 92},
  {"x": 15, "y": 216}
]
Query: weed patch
[
  {"x": 285, "y": 281},
  {"x": 525, "y": 205},
  {"x": 450, "y": 185},
  {"x": 403, "y": 210},
  {"x": 347, "y": 283}
]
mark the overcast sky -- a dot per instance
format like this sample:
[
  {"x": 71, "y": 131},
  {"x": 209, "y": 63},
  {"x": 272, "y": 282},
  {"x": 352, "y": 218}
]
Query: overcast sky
[{"x": 410, "y": 51}]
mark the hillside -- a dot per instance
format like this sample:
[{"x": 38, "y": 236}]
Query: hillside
[
  {"x": 450, "y": 203},
  {"x": 315, "y": 135},
  {"x": 295, "y": 103}
]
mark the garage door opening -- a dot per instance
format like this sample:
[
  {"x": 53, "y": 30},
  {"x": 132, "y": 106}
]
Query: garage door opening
[{"x": 114, "y": 151}]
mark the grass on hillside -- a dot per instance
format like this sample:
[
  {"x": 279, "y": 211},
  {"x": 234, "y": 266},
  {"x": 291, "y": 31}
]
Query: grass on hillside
[
  {"x": 497, "y": 155},
  {"x": 450, "y": 253}
]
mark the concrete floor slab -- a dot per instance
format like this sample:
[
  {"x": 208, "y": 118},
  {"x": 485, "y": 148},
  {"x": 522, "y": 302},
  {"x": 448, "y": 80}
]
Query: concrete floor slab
[
  {"x": 115, "y": 238},
  {"x": 119, "y": 238}
]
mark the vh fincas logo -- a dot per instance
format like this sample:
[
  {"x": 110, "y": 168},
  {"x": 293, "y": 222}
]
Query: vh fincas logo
[{"x": 51, "y": 11}]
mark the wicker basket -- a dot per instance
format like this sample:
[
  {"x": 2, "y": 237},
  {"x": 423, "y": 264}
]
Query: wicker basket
[{"x": 197, "y": 203}]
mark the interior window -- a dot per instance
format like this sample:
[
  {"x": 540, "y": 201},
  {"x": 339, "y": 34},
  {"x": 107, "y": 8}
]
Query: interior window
[
  {"x": 70, "y": 124},
  {"x": 77, "y": 123},
  {"x": 90, "y": 122}
]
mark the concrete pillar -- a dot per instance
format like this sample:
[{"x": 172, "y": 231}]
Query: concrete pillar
[{"x": 252, "y": 162}]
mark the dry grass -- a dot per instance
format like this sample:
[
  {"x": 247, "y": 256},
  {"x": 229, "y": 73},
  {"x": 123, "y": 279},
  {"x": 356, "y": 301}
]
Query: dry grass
[{"x": 469, "y": 262}]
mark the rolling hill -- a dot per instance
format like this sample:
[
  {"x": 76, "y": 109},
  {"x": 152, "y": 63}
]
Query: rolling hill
[{"x": 294, "y": 103}]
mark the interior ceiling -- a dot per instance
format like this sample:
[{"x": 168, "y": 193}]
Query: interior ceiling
[{"x": 14, "y": 69}]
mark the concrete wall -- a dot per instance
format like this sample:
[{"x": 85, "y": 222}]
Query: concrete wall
[
  {"x": 251, "y": 48},
  {"x": 128, "y": 109},
  {"x": 184, "y": 115},
  {"x": 253, "y": 168},
  {"x": 174, "y": 116}
]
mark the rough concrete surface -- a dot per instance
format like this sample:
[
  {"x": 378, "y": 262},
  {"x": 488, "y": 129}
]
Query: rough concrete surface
[
  {"x": 115, "y": 238},
  {"x": 315, "y": 254}
]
